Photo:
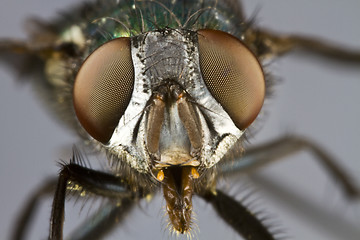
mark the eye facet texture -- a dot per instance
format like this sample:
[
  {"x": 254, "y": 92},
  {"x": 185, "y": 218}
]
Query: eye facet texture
[
  {"x": 232, "y": 74},
  {"x": 103, "y": 88}
]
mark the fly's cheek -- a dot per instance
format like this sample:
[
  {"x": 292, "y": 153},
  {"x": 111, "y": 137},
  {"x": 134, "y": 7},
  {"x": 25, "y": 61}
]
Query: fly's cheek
[
  {"x": 103, "y": 88},
  {"x": 232, "y": 74}
]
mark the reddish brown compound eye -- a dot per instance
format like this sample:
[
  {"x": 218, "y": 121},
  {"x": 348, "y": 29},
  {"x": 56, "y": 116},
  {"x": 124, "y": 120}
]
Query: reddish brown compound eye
[
  {"x": 103, "y": 88},
  {"x": 232, "y": 74}
]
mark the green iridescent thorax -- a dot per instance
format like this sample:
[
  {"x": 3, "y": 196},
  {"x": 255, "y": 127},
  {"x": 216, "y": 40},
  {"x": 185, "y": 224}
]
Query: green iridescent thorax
[{"x": 130, "y": 18}]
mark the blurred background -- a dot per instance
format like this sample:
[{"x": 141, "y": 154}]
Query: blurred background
[{"x": 314, "y": 98}]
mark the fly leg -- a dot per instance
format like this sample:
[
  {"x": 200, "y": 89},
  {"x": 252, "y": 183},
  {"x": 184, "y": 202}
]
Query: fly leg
[
  {"x": 26, "y": 57},
  {"x": 268, "y": 44},
  {"x": 80, "y": 178},
  {"x": 43, "y": 42},
  {"x": 106, "y": 218},
  {"x": 288, "y": 145},
  {"x": 28, "y": 211},
  {"x": 42, "y": 56},
  {"x": 241, "y": 219}
]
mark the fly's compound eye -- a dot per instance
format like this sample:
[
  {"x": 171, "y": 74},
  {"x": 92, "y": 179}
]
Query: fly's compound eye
[
  {"x": 103, "y": 88},
  {"x": 232, "y": 74}
]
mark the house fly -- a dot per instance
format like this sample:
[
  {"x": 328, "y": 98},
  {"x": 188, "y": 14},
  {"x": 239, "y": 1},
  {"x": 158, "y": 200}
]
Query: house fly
[{"x": 277, "y": 123}]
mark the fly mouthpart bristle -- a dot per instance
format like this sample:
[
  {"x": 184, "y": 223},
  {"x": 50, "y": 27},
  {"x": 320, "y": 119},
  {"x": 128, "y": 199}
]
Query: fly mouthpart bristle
[{"x": 189, "y": 234}]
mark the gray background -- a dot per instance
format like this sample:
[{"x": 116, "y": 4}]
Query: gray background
[{"x": 315, "y": 99}]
